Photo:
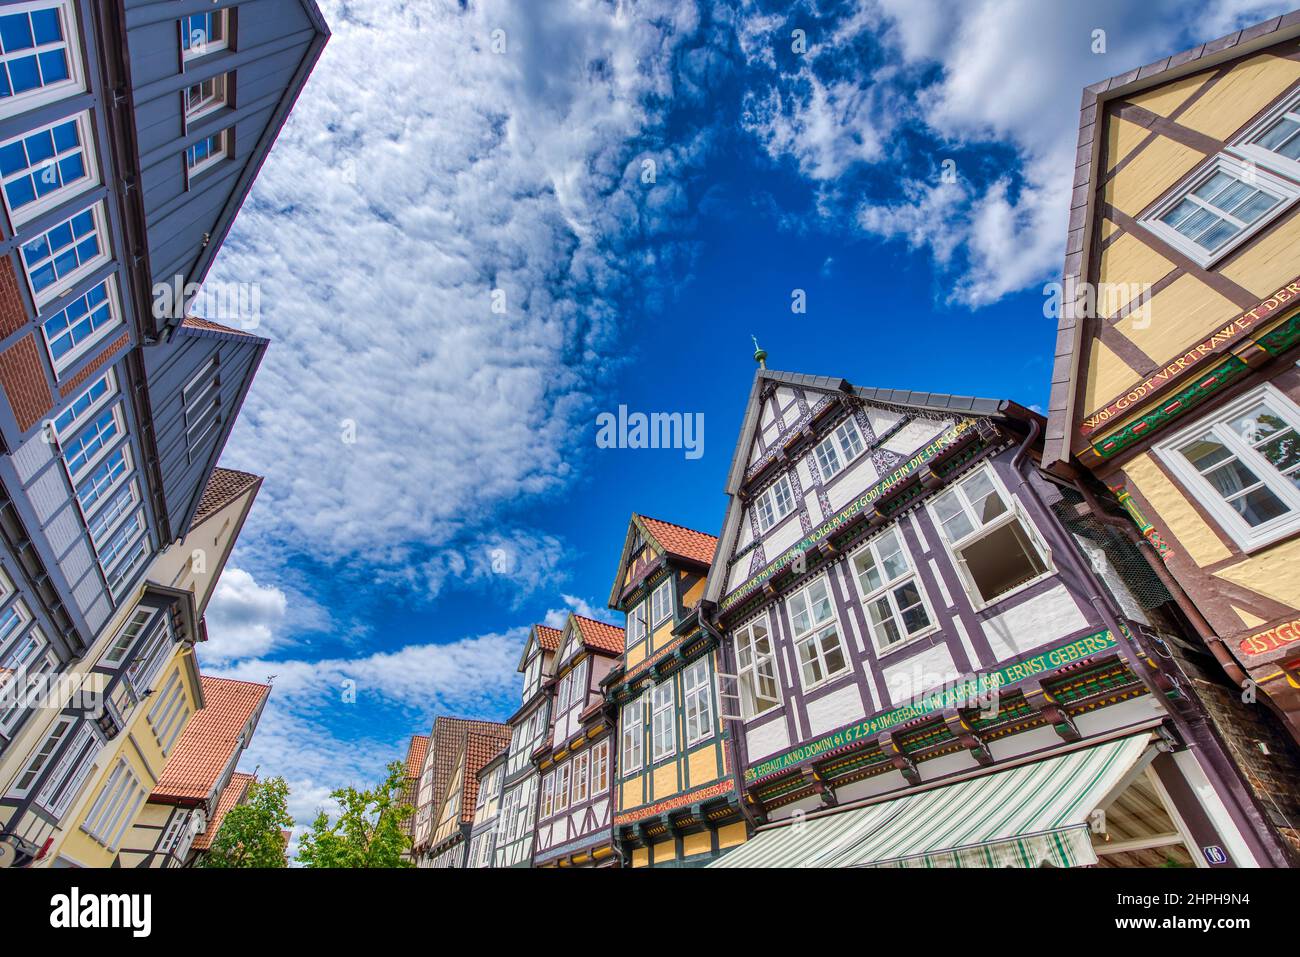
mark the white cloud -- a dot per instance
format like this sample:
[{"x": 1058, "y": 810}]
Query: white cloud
[
  {"x": 244, "y": 618},
  {"x": 420, "y": 172},
  {"x": 556, "y": 617}
]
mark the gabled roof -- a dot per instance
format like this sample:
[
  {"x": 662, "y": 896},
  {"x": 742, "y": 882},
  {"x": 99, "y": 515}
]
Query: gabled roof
[
  {"x": 211, "y": 741},
  {"x": 598, "y": 635},
  {"x": 966, "y": 405},
  {"x": 547, "y": 638},
  {"x": 1078, "y": 251},
  {"x": 675, "y": 541},
  {"x": 447, "y": 745},
  {"x": 480, "y": 749},
  {"x": 236, "y": 792},
  {"x": 415, "y": 755},
  {"x": 199, "y": 326},
  {"x": 224, "y": 486}
]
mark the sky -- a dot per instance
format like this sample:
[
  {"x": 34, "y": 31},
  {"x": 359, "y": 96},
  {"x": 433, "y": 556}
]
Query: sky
[{"x": 489, "y": 221}]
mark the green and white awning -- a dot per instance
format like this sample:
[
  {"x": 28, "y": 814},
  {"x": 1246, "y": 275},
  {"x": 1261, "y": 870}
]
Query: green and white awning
[{"x": 1025, "y": 816}]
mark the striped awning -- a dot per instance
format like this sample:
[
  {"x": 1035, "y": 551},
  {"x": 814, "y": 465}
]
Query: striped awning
[{"x": 1024, "y": 816}]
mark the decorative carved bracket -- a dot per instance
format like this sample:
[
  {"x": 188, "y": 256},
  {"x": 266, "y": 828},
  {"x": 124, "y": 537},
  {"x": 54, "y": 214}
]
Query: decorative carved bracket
[
  {"x": 972, "y": 742},
  {"x": 899, "y": 758},
  {"x": 1044, "y": 702}
]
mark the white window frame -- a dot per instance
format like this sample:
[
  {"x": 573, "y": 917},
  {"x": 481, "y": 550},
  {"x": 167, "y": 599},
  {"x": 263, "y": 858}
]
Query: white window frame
[
  {"x": 767, "y": 503},
  {"x": 63, "y": 284},
  {"x": 91, "y": 179},
  {"x": 1248, "y": 539},
  {"x": 41, "y": 757},
  {"x": 562, "y": 775},
  {"x": 887, "y": 588},
  {"x": 1012, "y": 513},
  {"x": 136, "y": 555},
  {"x": 663, "y": 722},
  {"x": 661, "y": 603},
  {"x": 69, "y": 773},
  {"x": 832, "y": 449},
  {"x": 114, "y": 810},
  {"x": 43, "y": 662},
  {"x": 81, "y": 416},
  {"x": 1249, "y": 149},
  {"x": 118, "y": 416},
  {"x": 753, "y": 670},
  {"x": 813, "y": 634},
  {"x": 581, "y": 778},
  {"x": 600, "y": 768},
  {"x": 60, "y": 89},
  {"x": 116, "y": 653},
  {"x": 532, "y": 676},
  {"x": 632, "y": 726},
  {"x": 206, "y": 104},
  {"x": 207, "y": 47},
  {"x": 215, "y": 156},
  {"x": 1247, "y": 171},
  {"x": 109, "y": 490},
  {"x": 97, "y": 336},
  {"x": 697, "y": 697},
  {"x": 637, "y": 624}
]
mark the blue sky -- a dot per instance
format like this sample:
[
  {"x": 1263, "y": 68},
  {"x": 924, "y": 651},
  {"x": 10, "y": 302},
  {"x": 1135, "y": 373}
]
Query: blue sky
[{"x": 446, "y": 156}]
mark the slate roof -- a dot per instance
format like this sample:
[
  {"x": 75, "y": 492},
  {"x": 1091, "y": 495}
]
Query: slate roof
[
  {"x": 680, "y": 541},
  {"x": 224, "y": 486},
  {"x": 233, "y": 793},
  {"x": 210, "y": 739},
  {"x": 1069, "y": 334},
  {"x": 600, "y": 635}
]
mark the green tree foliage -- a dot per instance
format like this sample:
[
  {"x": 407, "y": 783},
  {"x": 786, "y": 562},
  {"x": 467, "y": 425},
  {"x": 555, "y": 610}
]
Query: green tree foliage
[
  {"x": 370, "y": 830},
  {"x": 250, "y": 833}
]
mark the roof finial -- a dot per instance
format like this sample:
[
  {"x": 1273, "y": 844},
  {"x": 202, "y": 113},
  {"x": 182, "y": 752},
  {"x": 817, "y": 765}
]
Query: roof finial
[{"x": 760, "y": 355}]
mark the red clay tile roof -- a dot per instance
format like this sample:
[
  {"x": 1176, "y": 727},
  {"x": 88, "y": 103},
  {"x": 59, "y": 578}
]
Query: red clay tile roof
[
  {"x": 599, "y": 635},
  {"x": 448, "y": 743},
  {"x": 415, "y": 755},
  {"x": 682, "y": 542},
  {"x": 209, "y": 740},
  {"x": 224, "y": 486},
  {"x": 232, "y": 794},
  {"x": 548, "y": 637},
  {"x": 194, "y": 322},
  {"x": 479, "y": 750}
]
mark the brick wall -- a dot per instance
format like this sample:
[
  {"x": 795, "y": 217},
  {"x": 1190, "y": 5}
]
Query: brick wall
[
  {"x": 13, "y": 311},
  {"x": 22, "y": 376}
]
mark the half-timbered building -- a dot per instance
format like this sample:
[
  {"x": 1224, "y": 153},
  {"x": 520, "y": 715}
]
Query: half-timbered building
[
  {"x": 445, "y": 748},
  {"x": 483, "y": 835},
  {"x": 937, "y": 659},
  {"x": 529, "y": 726},
  {"x": 576, "y": 761},
  {"x": 415, "y": 752},
  {"x": 1175, "y": 379},
  {"x": 450, "y": 846},
  {"x": 676, "y": 773}
]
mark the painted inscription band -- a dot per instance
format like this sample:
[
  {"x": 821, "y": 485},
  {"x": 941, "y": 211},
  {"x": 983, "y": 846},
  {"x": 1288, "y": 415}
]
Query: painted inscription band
[
  {"x": 859, "y": 504},
  {"x": 968, "y": 690},
  {"x": 1271, "y": 640},
  {"x": 1192, "y": 358}
]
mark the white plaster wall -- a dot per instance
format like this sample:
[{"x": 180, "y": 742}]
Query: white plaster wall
[
  {"x": 915, "y": 434},
  {"x": 919, "y": 674},
  {"x": 852, "y": 482},
  {"x": 836, "y": 709},
  {"x": 1037, "y": 621},
  {"x": 766, "y": 738}
]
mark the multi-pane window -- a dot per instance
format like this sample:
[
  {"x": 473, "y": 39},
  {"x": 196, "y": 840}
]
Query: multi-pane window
[
  {"x": 168, "y": 712},
  {"x": 839, "y": 448},
  {"x": 40, "y": 167},
  {"x": 37, "y": 63},
  {"x": 774, "y": 504},
  {"x": 633, "y": 733},
  {"x": 69, "y": 773},
  {"x": 581, "y": 777},
  {"x": 756, "y": 669},
  {"x": 84, "y": 405},
  {"x": 204, "y": 33},
  {"x": 27, "y": 661},
  {"x": 207, "y": 152},
  {"x": 106, "y": 519},
  {"x": 120, "y": 542},
  {"x": 126, "y": 638},
  {"x": 56, "y": 258},
  {"x": 817, "y": 640},
  {"x": 697, "y": 701},
  {"x": 663, "y": 719},
  {"x": 89, "y": 444},
  {"x": 891, "y": 592},
  {"x": 562, "y": 787},
  {"x": 205, "y": 96},
  {"x": 114, "y": 809},
  {"x": 532, "y": 676},
  {"x": 152, "y": 652},
  {"x": 125, "y": 569},
  {"x": 102, "y": 480},
  {"x": 994, "y": 549},
  {"x": 40, "y": 759},
  {"x": 1244, "y": 464},
  {"x": 636, "y": 624},
  {"x": 600, "y": 768},
  {"x": 85, "y": 320},
  {"x": 661, "y": 602},
  {"x": 1275, "y": 141}
]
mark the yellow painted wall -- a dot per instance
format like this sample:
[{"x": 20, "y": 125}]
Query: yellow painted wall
[
  {"x": 1192, "y": 534},
  {"x": 703, "y": 765},
  {"x": 1164, "y": 99},
  {"x": 1248, "y": 88},
  {"x": 1108, "y": 375},
  {"x": 1157, "y": 168},
  {"x": 698, "y": 843},
  {"x": 665, "y": 781},
  {"x": 1182, "y": 314},
  {"x": 1270, "y": 262},
  {"x": 1274, "y": 572},
  {"x": 665, "y": 851},
  {"x": 731, "y": 835},
  {"x": 640, "y": 857}
]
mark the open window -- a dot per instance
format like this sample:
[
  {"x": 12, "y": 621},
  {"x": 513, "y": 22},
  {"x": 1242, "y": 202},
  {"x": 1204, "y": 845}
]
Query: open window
[
  {"x": 993, "y": 545},
  {"x": 756, "y": 667}
]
